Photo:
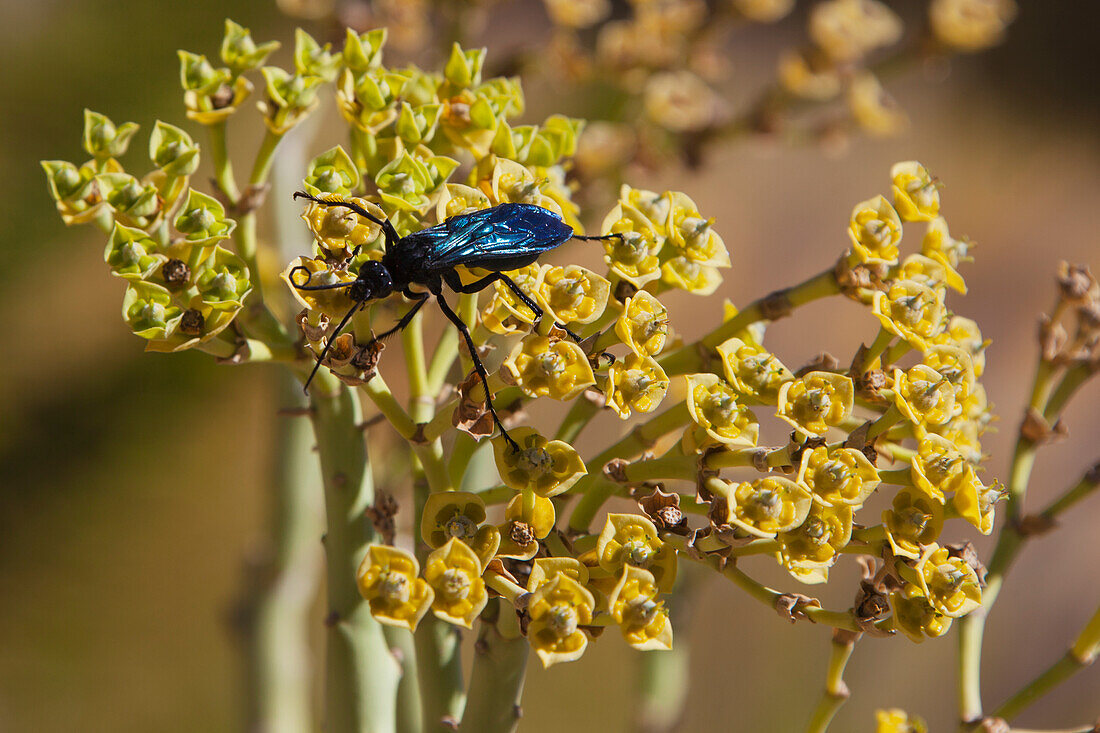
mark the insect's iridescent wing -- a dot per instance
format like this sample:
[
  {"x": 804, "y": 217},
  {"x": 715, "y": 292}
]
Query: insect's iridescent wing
[{"x": 494, "y": 238}]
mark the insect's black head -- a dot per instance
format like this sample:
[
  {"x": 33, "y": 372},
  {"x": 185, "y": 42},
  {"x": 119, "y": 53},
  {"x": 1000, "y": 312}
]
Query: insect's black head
[{"x": 374, "y": 281}]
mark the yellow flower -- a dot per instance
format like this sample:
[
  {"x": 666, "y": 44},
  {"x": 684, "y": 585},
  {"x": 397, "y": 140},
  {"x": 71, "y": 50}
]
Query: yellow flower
[
  {"x": 454, "y": 573},
  {"x": 543, "y": 570},
  {"x": 838, "y": 477},
  {"x": 763, "y": 11},
  {"x": 557, "y": 610},
  {"x": 680, "y": 101},
  {"x": 455, "y": 199},
  {"x": 965, "y": 334},
  {"x": 809, "y": 74},
  {"x": 641, "y": 617},
  {"x": 846, "y": 30},
  {"x": 458, "y": 515},
  {"x": 916, "y": 195},
  {"x": 638, "y": 383},
  {"x": 940, "y": 245},
  {"x": 898, "y": 721},
  {"x": 910, "y": 310},
  {"x": 573, "y": 293},
  {"x": 971, "y": 25},
  {"x": 388, "y": 579},
  {"x": 752, "y": 370},
  {"x": 923, "y": 395},
  {"x": 955, "y": 365},
  {"x": 692, "y": 235},
  {"x": 655, "y": 207},
  {"x": 643, "y": 325},
  {"x": 808, "y": 551},
  {"x": 947, "y": 582},
  {"x": 631, "y": 539},
  {"x": 547, "y": 467},
  {"x": 522, "y": 529},
  {"x": 875, "y": 230},
  {"x": 341, "y": 230},
  {"x": 872, "y": 107},
  {"x": 915, "y": 616},
  {"x": 685, "y": 274},
  {"x": 937, "y": 467},
  {"x": 816, "y": 401},
  {"x": 543, "y": 368},
  {"x": 914, "y": 521},
  {"x": 931, "y": 272},
  {"x": 714, "y": 407},
  {"x": 764, "y": 507},
  {"x": 975, "y": 502},
  {"x": 577, "y": 13},
  {"x": 504, "y": 310},
  {"x": 333, "y": 302}
]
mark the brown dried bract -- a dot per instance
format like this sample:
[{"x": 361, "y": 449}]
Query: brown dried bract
[
  {"x": 822, "y": 362},
  {"x": 381, "y": 515},
  {"x": 471, "y": 415},
  {"x": 1036, "y": 429},
  {"x": 311, "y": 332},
  {"x": 965, "y": 551},
  {"x": 792, "y": 606},
  {"x": 664, "y": 509}
]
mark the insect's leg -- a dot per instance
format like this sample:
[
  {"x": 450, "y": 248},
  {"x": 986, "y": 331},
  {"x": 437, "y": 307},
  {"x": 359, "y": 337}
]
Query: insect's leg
[
  {"x": 309, "y": 276},
  {"x": 420, "y": 299},
  {"x": 387, "y": 228},
  {"x": 478, "y": 366},
  {"x": 530, "y": 303},
  {"x": 328, "y": 345},
  {"x": 602, "y": 237}
]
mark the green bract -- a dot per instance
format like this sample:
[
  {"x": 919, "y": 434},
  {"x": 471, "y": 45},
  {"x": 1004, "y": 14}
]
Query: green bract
[
  {"x": 102, "y": 139},
  {"x": 240, "y": 53},
  {"x": 331, "y": 172}
]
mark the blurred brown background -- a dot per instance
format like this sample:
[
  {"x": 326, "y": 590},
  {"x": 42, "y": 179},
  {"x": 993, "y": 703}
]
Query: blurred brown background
[{"x": 133, "y": 485}]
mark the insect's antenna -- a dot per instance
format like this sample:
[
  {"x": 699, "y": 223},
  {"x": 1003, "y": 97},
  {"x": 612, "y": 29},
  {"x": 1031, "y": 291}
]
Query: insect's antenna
[
  {"x": 602, "y": 237},
  {"x": 387, "y": 228},
  {"x": 309, "y": 276},
  {"x": 328, "y": 344}
]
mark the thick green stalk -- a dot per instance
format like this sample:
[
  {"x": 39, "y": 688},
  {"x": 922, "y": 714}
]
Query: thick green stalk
[
  {"x": 223, "y": 167},
  {"x": 1081, "y": 654},
  {"x": 836, "y": 692},
  {"x": 361, "y": 674},
  {"x": 664, "y": 677},
  {"x": 280, "y": 659},
  {"x": 496, "y": 680},
  {"x": 437, "y": 643},
  {"x": 403, "y": 648}
]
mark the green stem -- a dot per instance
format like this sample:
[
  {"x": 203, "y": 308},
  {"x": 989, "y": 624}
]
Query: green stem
[
  {"x": 594, "y": 488},
  {"x": 1082, "y": 654},
  {"x": 261, "y": 168},
  {"x": 688, "y": 359},
  {"x": 361, "y": 674},
  {"x": 497, "y": 676},
  {"x": 836, "y": 692},
  {"x": 280, "y": 659},
  {"x": 875, "y": 350},
  {"x": 664, "y": 677},
  {"x": 1074, "y": 494},
  {"x": 223, "y": 167},
  {"x": 1072, "y": 380},
  {"x": 580, "y": 414},
  {"x": 403, "y": 649}
]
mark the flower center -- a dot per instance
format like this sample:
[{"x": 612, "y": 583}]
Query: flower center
[
  {"x": 641, "y": 611},
  {"x": 562, "y": 620},
  {"x": 550, "y": 363},
  {"x": 637, "y": 553},
  {"x": 460, "y": 526},
  {"x": 535, "y": 462},
  {"x": 768, "y": 503},
  {"x": 913, "y": 521},
  {"x": 394, "y": 587},
  {"x": 817, "y": 400},
  {"x": 455, "y": 585}
]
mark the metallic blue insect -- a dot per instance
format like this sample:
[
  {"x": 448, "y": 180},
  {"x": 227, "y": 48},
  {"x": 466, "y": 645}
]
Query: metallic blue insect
[{"x": 499, "y": 239}]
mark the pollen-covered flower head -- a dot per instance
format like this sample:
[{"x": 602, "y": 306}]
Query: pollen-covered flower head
[
  {"x": 916, "y": 193},
  {"x": 809, "y": 550},
  {"x": 915, "y": 616},
  {"x": 545, "y": 368},
  {"x": 911, "y": 310},
  {"x": 573, "y": 294},
  {"x": 753, "y": 370},
  {"x": 635, "y": 605},
  {"x": 924, "y": 395},
  {"x": 643, "y": 325},
  {"x": 636, "y": 384},
  {"x": 714, "y": 406},
  {"x": 948, "y": 583},
  {"x": 955, "y": 365},
  {"x": 816, "y": 401},
  {"x": 547, "y": 467},
  {"x": 458, "y": 515},
  {"x": 937, "y": 467},
  {"x": 388, "y": 579},
  {"x": 763, "y": 507},
  {"x": 692, "y": 235},
  {"x": 633, "y": 255},
  {"x": 631, "y": 540},
  {"x": 875, "y": 230},
  {"x": 339, "y": 230},
  {"x": 454, "y": 573},
  {"x": 913, "y": 521},
  {"x": 557, "y": 609},
  {"x": 838, "y": 476}
]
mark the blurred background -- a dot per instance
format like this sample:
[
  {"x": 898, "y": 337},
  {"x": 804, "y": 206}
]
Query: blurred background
[{"x": 133, "y": 489}]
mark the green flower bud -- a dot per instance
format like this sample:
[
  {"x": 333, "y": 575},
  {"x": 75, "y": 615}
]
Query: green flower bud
[
  {"x": 240, "y": 53},
  {"x": 312, "y": 59},
  {"x": 332, "y": 172},
  {"x": 132, "y": 254},
  {"x": 199, "y": 75},
  {"x": 362, "y": 52},
  {"x": 417, "y": 125},
  {"x": 173, "y": 151},
  {"x": 102, "y": 139},
  {"x": 134, "y": 203},
  {"x": 202, "y": 222},
  {"x": 224, "y": 282},
  {"x": 290, "y": 97},
  {"x": 149, "y": 311},
  {"x": 463, "y": 68}
]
